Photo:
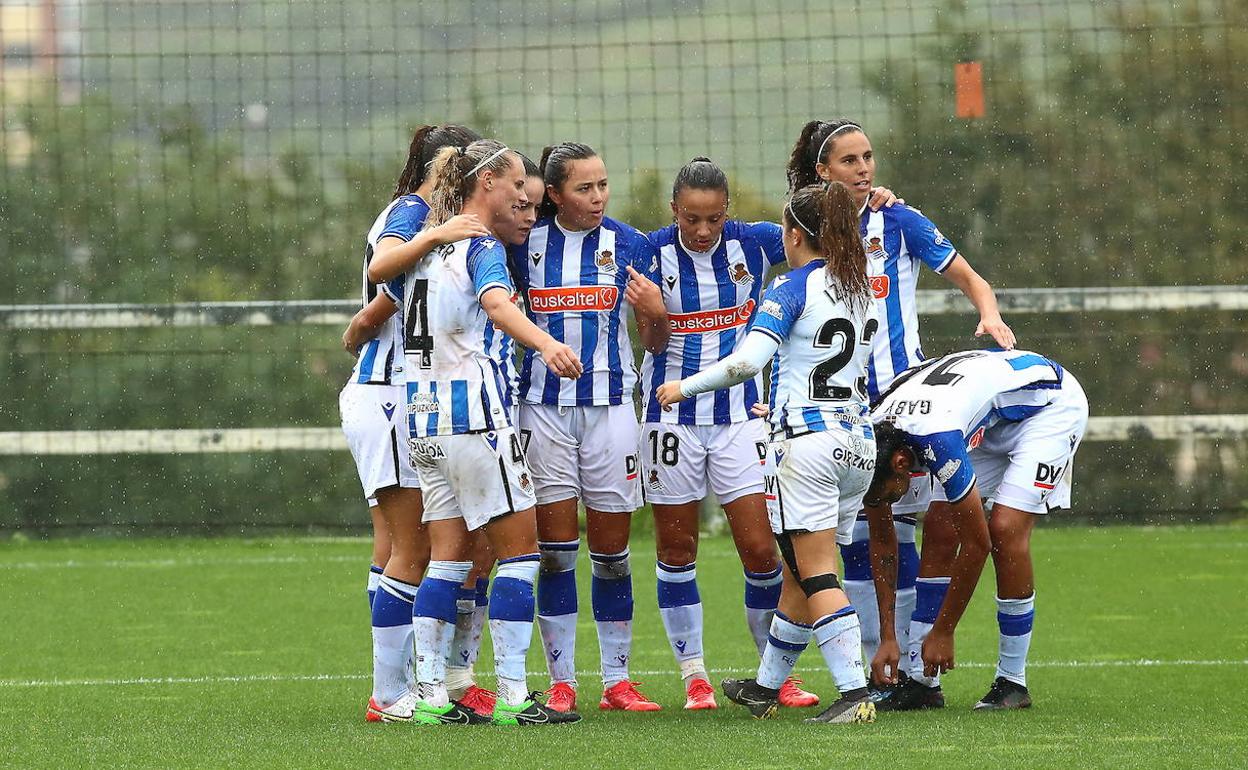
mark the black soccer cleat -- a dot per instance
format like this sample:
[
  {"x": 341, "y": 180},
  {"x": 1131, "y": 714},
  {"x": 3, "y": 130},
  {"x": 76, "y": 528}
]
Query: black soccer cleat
[
  {"x": 910, "y": 695},
  {"x": 453, "y": 713},
  {"x": 1004, "y": 694},
  {"x": 532, "y": 712},
  {"x": 761, "y": 701},
  {"x": 853, "y": 707},
  {"x": 878, "y": 692}
]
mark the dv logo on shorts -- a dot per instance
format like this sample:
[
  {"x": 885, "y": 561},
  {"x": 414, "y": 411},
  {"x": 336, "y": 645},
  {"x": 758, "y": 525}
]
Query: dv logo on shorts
[
  {"x": 1047, "y": 475},
  {"x": 769, "y": 487},
  {"x": 630, "y": 468}
]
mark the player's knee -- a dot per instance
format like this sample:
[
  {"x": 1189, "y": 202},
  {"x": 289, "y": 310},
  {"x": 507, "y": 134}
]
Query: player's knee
[
  {"x": 816, "y": 583},
  {"x": 678, "y": 549},
  {"x": 558, "y": 557},
  {"x": 610, "y": 566}
]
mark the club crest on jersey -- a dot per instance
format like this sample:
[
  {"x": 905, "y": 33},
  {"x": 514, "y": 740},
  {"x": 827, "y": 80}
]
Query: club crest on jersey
[
  {"x": 880, "y": 286},
  {"x": 976, "y": 439},
  {"x": 605, "y": 260},
  {"x": 388, "y": 409},
  {"x": 873, "y": 246},
  {"x": 739, "y": 273}
]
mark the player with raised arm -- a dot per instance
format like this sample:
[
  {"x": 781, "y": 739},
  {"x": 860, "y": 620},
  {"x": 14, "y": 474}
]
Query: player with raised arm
[
  {"x": 998, "y": 429},
  {"x": 375, "y": 425},
  {"x": 713, "y": 270},
  {"x": 898, "y": 240},
  {"x": 577, "y": 272},
  {"x": 460, "y": 428},
  {"x": 817, "y": 322}
]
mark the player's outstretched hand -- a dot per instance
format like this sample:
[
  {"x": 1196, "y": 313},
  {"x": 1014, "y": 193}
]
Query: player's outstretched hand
[
  {"x": 760, "y": 410},
  {"x": 884, "y": 664},
  {"x": 561, "y": 359},
  {"x": 459, "y": 227},
  {"x": 882, "y": 198},
  {"x": 669, "y": 393},
  {"x": 937, "y": 653},
  {"x": 643, "y": 294},
  {"x": 999, "y": 331}
]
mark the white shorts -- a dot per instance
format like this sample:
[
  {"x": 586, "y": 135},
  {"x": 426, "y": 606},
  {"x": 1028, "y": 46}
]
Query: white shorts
[
  {"x": 678, "y": 462},
  {"x": 474, "y": 476},
  {"x": 1028, "y": 465},
  {"x": 373, "y": 419},
  {"x": 586, "y": 452},
  {"x": 816, "y": 482}
]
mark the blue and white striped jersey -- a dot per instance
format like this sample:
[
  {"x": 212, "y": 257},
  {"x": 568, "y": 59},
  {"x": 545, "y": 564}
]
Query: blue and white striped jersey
[
  {"x": 945, "y": 405},
  {"x": 898, "y": 240},
  {"x": 381, "y": 358},
  {"x": 819, "y": 374},
  {"x": 573, "y": 286},
  {"x": 454, "y": 385},
  {"x": 711, "y": 299}
]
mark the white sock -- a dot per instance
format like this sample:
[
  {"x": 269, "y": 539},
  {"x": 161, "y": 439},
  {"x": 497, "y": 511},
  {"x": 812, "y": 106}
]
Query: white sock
[
  {"x": 901, "y": 620},
  {"x": 840, "y": 640},
  {"x": 557, "y": 608},
  {"x": 511, "y": 624},
  {"x": 1014, "y": 620},
  {"x": 611, "y": 590},
  {"x": 392, "y": 640},
  {"x": 861, "y": 594},
  {"x": 433, "y": 622},
  {"x": 784, "y": 645},
  {"x": 559, "y": 642},
  {"x": 680, "y": 608}
]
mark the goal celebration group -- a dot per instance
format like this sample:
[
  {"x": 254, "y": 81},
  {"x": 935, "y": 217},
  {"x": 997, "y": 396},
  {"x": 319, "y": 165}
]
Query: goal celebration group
[{"x": 496, "y": 394}]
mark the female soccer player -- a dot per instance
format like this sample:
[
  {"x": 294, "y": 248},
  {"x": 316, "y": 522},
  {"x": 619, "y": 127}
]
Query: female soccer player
[
  {"x": 460, "y": 426},
  {"x": 898, "y": 240},
  {"x": 1000, "y": 426},
  {"x": 576, "y": 270},
  {"x": 374, "y": 422},
  {"x": 817, "y": 321}
]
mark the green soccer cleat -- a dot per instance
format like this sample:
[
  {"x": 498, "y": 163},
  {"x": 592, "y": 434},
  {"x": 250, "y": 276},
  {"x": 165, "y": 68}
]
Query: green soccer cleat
[
  {"x": 531, "y": 712},
  {"x": 453, "y": 713}
]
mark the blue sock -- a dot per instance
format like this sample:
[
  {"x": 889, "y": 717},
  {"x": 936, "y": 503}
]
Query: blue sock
[
  {"x": 680, "y": 608},
  {"x": 762, "y": 594},
  {"x": 929, "y": 595},
  {"x": 392, "y": 640},
  {"x": 512, "y": 606},
  {"x": 611, "y": 591},
  {"x": 374, "y": 577},
  {"x": 433, "y": 621},
  {"x": 557, "y": 608}
]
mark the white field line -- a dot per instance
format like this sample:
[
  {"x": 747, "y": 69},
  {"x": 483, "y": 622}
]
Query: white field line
[{"x": 251, "y": 678}]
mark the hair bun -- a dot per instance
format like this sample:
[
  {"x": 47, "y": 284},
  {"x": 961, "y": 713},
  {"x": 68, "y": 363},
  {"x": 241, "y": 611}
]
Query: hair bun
[{"x": 701, "y": 159}]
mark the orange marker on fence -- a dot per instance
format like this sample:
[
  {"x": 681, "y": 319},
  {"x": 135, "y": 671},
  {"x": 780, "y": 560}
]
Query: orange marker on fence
[{"x": 968, "y": 81}]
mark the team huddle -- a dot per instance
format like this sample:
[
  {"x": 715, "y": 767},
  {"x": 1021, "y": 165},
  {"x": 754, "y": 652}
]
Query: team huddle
[{"x": 476, "y": 458}]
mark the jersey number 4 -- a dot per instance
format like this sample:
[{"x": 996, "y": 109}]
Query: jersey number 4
[
  {"x": 838, "y": 330},
  {"x": 416, "y": 337}
]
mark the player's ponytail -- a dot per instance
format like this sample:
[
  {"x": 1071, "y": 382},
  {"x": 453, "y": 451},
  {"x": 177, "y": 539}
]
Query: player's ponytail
[
  {"x": 424, "y": 146},
  {"x": 700, "y": 174},
  {"x": 455, "y": 173},
  {"x": 554, "y": 166},
  {"x": 828, "y": 216},
  {"x": 813, "y": 146}
]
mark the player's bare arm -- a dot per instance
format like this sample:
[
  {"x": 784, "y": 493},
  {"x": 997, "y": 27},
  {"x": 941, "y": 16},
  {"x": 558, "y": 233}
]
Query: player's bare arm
[
  {"x": 365, "y": 324},
  {"x": 980, "y": 293},
  {"x": 974, "y": 545},
  {"x": 561, "y": 359},
  {"x": 395, "y": 256},
  {"x": 647, "y": 302}
]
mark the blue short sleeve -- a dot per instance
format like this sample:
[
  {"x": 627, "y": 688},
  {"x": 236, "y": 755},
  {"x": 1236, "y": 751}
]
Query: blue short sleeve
[
  {"x": 405, "y": 219},
  {"x": 782, "y": 305},
  {"x": 487, "y": 266},
  {"x": 770, "y": 236},
  {"x": 945, "y": 456},
  {"x": 923, "y": 240},
  {"x": 644, "y": 257}
]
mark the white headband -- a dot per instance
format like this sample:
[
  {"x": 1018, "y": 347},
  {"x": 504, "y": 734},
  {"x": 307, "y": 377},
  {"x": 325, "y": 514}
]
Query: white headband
[
  {"x": 835, "y": 131},
  {"x": 485, "y": 162},
  {"x": 799, "y": 222}
]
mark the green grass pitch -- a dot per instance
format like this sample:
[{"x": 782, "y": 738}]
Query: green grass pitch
[{"x": 217, "y": 653}]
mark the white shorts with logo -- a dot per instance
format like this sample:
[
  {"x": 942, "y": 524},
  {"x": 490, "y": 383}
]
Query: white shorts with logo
[
  {"x": 373, "y": 419},
  {"x": 586, "y": 452},
  {"x": 1028, "y": 465},
  {"x": 679, "y": 462},
  {"x": 474, "y": 476},
  {"x": 816, "y": 482}
]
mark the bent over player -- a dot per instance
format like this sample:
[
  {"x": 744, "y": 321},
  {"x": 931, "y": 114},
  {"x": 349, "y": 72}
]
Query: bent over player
[{"x": 990, "y": 425}]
